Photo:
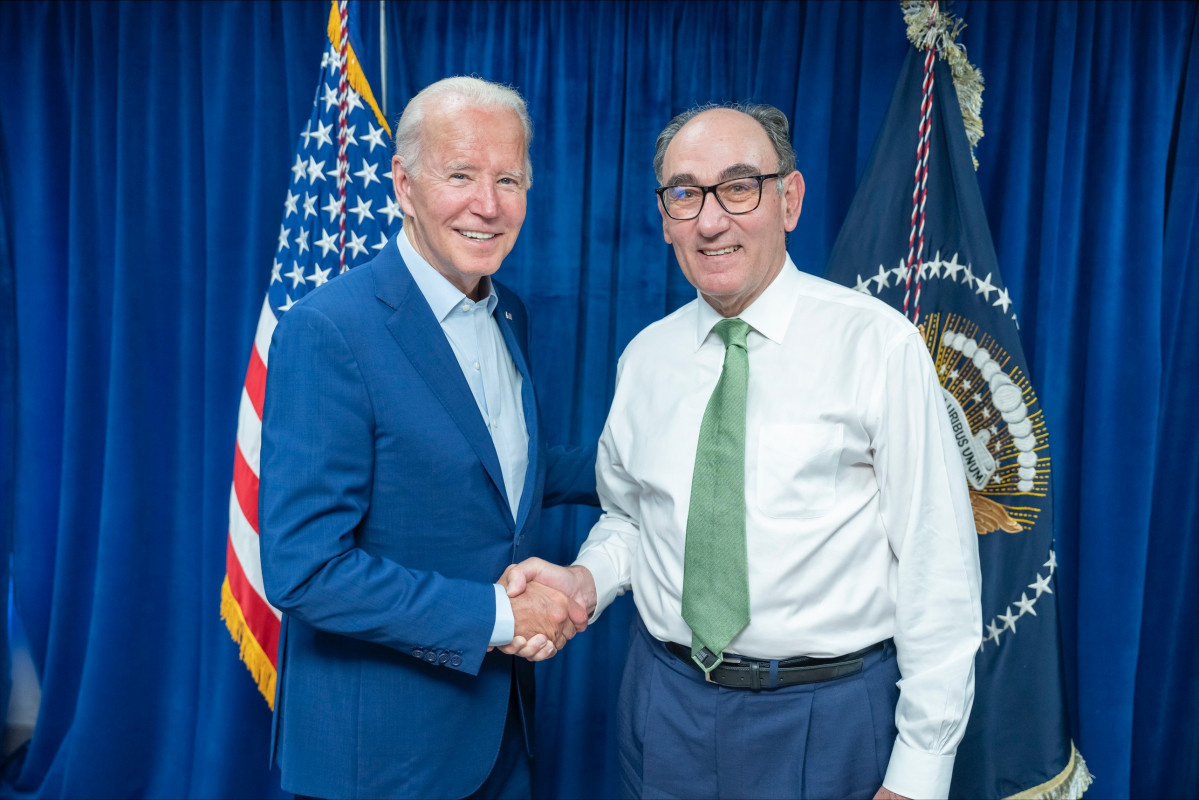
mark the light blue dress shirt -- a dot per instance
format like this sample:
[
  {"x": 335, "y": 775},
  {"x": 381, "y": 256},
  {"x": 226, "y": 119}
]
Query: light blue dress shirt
[{"x": 494, "y": 380}]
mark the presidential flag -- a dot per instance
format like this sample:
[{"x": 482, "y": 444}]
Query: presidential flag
[
  {"x": 338, "y": 212},
  {"x": 916, "y": 237}
]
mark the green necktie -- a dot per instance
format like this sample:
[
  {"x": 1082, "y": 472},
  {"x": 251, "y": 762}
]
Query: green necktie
[{"x": 715, "y": 567}]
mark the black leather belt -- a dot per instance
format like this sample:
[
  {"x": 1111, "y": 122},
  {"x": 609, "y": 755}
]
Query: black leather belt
[{"x": 755, "y": 674}]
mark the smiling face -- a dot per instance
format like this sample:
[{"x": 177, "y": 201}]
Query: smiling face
[
  {"x": 730, "y": 259},
  {"x": 464, "y": 207}
]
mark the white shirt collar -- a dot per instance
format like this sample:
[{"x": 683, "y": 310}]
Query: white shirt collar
[
  {"x": 441, "y": 295},
  {"x": 769, "y": 314}
]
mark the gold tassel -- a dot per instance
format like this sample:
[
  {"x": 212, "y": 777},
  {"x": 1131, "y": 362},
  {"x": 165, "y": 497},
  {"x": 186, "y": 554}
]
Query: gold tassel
[
  {"x": 251, "y": 652},
  {"x": 1069, "y": 784},
  {"x": 355, "y": 75},
  {"x": 940, "y": 31}
]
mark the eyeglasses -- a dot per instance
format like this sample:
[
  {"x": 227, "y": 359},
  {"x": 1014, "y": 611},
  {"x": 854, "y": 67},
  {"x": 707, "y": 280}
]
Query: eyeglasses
[{"x": 736, "y": 196}]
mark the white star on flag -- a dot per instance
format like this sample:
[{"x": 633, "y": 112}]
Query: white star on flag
[
  {"x": 985, "y": 287},
  {"x": 314, "y": 169},
  {"x": 392, "y": 210},
  {"x": 375, "y": 137},
  {"x": 367, "y": 173},
  {"x": 298, "y": 169},
  {"x": 362, "y": 209},
  {"x": 883, "y": 277},
  {"x": 322, "y": 135},
  {"x": 356, "y": 244},
  {"x": 328, "y": 242}
]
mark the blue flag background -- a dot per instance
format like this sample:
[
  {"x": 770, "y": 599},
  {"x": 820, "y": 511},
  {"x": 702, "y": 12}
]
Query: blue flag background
[{"x": 1018, "y": 736}]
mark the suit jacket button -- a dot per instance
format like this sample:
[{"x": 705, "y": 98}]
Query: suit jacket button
[
  {"x": 418, "y": 652},
  {"x": 456, "y": 661},
  {"x": 431, "y": 657},
  {"x": 444, "y": 658}
]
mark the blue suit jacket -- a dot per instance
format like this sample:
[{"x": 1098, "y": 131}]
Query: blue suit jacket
[{"x": 384, "y": 522}]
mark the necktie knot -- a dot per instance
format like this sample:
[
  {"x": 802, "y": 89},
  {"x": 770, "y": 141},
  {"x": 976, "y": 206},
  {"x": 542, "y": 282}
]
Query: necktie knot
[{"x": 733, "y": 332}]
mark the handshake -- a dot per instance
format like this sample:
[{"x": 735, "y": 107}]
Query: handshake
[{"x": 550, "y": 604}]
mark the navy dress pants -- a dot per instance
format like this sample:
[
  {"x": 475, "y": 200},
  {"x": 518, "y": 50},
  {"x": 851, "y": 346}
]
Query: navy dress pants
[{"x": 681, "y": 737}]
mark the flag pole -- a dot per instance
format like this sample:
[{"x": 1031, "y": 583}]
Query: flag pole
[{"x": 383, "y": 53}]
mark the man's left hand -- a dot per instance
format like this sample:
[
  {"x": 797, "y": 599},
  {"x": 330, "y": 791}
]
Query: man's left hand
[
  {"x": 541, "y": 613},
  {"x": 536, "y": 648},
  {"x": 884, "y": 793}
]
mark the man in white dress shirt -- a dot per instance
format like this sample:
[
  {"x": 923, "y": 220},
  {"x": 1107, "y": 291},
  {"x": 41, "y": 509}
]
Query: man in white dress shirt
[{"x": 854, "y": 675}]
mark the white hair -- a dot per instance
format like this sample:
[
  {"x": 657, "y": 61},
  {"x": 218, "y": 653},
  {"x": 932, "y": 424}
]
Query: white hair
[{"x": 464, "y": 91}]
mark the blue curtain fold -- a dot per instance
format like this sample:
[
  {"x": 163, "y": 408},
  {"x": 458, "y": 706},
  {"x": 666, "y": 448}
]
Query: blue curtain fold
[
  {"x": 8, "y": 434},
  {"x": 132, "y": 140},
  {"x": 1167, "y": 694},
  {"x": 144, "y": 156}
]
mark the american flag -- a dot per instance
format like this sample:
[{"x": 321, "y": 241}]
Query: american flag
[{"x": 338, "y": 212}]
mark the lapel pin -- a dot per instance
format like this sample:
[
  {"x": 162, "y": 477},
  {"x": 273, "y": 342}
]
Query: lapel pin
[{"x": 507, "y": 315}]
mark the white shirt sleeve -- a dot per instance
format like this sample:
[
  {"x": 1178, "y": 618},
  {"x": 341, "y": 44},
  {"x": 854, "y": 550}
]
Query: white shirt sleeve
[
  {"x": 925, "y": 508},
  {"x": 504, "y": 630},
  {"x": 612, "y": 544},
  {"x": 614, "y": 539}
]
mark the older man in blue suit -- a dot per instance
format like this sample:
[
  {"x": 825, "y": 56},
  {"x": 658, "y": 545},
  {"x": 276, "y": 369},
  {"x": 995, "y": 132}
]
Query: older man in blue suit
[{"x": 385, "y": 524}]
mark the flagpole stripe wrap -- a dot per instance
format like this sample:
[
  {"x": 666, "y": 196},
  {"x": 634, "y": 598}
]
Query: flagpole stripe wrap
[
  {"x": 920, "y": 192},
  {"x": 312, "y": 249},
  {"x": 343, "y": 164}
]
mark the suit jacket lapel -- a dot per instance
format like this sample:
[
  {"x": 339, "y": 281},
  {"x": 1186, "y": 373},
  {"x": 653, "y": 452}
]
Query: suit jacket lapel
[
  {"x": 528, "y": 401},
  {"x": 420, "y": 336}
]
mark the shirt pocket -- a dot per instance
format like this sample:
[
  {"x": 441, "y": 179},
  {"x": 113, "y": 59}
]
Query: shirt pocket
[{"x": 797, "y": 469}]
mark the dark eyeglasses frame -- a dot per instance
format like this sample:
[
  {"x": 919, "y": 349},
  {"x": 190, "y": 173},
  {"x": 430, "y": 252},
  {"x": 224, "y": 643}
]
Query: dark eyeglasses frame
[{"x": 712, "y": 189}]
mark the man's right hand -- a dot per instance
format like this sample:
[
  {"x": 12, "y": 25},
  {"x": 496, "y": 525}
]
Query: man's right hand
[
  {"x": 543, "y": 622},
  {"x": 575, "y": 582}
]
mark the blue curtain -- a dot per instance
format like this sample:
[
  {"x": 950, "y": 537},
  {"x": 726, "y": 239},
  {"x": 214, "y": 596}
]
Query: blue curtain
[{"x": 144, "y": 154}]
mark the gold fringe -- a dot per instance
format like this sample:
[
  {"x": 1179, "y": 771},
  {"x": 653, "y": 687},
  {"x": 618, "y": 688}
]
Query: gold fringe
[
  {"x": 354, "y": 72},
  {"x": 940, "y": 31},
  {"x": 1069, "y": 784},
  {"x": 252, "y": 654}
]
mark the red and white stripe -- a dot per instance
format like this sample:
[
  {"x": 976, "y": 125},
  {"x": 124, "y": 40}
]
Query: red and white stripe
[{"x": 243, "y": 564}]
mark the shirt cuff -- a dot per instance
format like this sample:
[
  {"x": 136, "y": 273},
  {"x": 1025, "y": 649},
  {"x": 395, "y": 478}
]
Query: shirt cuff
[
  {"x": 607, "y": 586},
  {"x": 915, "y": 773},
  {"x": 504, "y": 630}
]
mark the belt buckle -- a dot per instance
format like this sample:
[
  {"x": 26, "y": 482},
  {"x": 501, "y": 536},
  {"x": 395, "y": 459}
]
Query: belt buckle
[{"x": 724, "y": 660}]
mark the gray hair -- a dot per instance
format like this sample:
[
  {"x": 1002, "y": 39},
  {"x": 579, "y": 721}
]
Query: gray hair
[
  {"x": 773, "y": 121},
  {"x": 463, "y": 91}
]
